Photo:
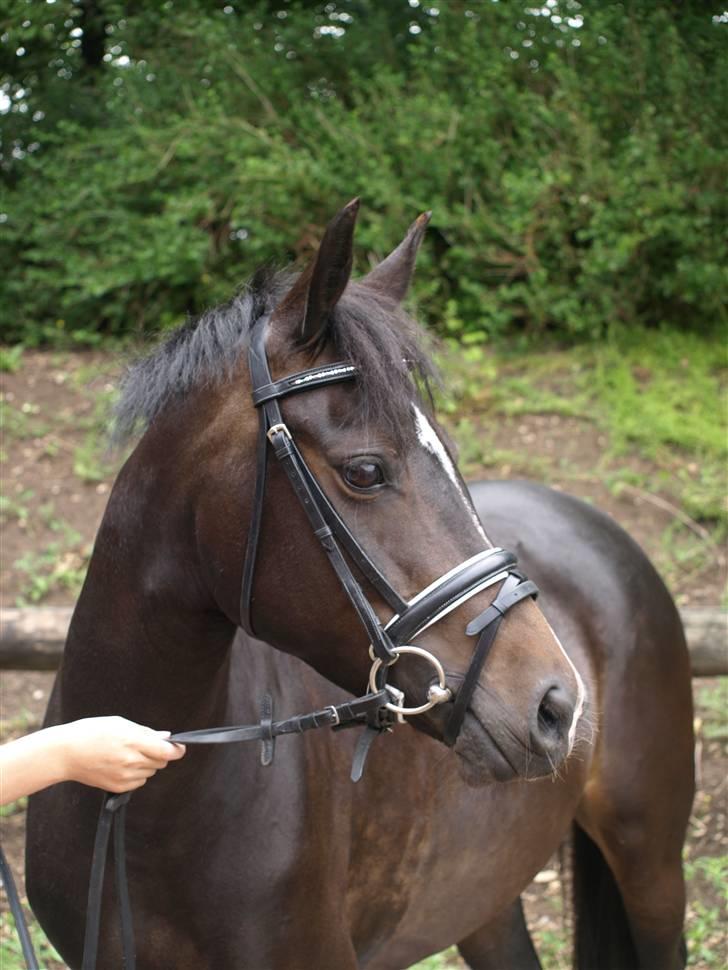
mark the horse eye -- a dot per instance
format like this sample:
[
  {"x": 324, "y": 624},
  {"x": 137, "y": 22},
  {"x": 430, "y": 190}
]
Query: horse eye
[{"x": 363, "y": 474}]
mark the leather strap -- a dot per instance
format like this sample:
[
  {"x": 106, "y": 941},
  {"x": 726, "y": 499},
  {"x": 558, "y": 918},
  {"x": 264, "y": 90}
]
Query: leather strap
[
  {"x": 355, "y": 710},
  {"x": 21, "y": 926},
  {"x": 359, "y": 710},
  {"x": 419, "y": 614},
  {"x": 267, "y": 741},
  {"x": 514, "y": 589},
  {"x": 272, "y": 429},
  {"x": 368, "y": 736},
  {"x": 304, "y": 381},
  {"x": 113, "y": 813},
  {"x": 291, "y": 461}
]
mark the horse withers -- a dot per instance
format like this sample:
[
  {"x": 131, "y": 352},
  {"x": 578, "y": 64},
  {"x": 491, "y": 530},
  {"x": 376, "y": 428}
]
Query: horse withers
[{"x": 233, "y": 864}]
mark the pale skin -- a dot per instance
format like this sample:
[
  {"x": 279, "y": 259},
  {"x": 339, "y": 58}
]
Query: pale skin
[{"x": 110, "y": 753}]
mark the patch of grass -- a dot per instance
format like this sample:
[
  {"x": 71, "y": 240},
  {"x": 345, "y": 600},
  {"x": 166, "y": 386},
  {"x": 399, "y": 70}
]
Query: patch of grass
[
  {"x": 712, "y": 869},
  {"x": 16, "y": 508},
  {"x": 706, "y": 936},
  {"x": 476, "y": 451},
  {"x": 10, "y": 358},
  {"x": 447, "y": 960},
  {"x": 22, "y": 423},
  {"x": 85, "y": 377},
  {"x": 54, "y": 568},
  {"x": 663, "y": 392},
  {"x": 660, "y": 388},
  {"x": 11, "y": 955},
  {"x": 657, "y": 398},
  {"x": 90, "y": 461},
  {"x": 13, "y": 808},
  {"x": 554, "y": 949},
  {"x": 711, "y": 705},
  {"x": 23, "y": 722}
]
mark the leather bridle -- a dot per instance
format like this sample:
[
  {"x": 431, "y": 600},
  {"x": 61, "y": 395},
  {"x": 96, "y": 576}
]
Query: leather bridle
[{"x": 377, "y": 710}]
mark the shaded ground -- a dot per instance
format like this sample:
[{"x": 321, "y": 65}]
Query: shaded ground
[{"x": 56, "y": 477}]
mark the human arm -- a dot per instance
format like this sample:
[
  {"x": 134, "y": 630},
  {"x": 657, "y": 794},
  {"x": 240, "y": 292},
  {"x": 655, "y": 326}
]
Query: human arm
[{"x": 105, "y": 752}]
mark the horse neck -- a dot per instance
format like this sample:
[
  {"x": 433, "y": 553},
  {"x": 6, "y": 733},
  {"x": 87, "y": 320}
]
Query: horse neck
[{"x": 147, "y": 641}]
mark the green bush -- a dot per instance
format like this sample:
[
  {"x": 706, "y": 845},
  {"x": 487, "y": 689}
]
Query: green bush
[{"x": 571, "y": 154}]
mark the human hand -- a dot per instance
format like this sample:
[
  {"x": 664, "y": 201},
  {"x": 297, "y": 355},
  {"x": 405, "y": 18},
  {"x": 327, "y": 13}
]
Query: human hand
[{"x": 113, "y": 753}]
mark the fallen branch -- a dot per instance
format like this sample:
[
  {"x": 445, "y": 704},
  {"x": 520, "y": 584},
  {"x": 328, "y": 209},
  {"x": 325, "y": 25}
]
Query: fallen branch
[{"x": 33, "y": 638}]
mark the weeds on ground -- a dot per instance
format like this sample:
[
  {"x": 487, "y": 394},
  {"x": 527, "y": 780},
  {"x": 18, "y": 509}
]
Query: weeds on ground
[
  {"x": 447, "y": 960},
  {"x": 658, "y": 401},
  {"x": 10, "y": 358},
  {"x": 11, "y": 955},
  {"x": 711, "y": 704},
  {"x": 53, "y": 569}
]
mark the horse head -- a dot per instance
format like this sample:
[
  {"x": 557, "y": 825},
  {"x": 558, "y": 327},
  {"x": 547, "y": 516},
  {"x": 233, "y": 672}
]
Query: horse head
[{"x": 370, "y": 443}]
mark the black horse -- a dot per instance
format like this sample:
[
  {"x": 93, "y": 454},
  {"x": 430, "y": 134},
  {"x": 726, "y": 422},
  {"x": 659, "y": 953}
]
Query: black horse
[{"x": 236, "y": 865}]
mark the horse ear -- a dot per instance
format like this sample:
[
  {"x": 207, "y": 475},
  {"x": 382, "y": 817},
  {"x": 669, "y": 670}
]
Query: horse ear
[
  {"x": 319, "y": 287},
  {"x": 392, "y": 276}
]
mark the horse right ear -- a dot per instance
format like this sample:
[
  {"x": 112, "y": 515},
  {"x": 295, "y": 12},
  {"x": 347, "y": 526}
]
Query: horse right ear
[
  {"x": 393, "y": 275},
  {"x": 319, "y": 287}
]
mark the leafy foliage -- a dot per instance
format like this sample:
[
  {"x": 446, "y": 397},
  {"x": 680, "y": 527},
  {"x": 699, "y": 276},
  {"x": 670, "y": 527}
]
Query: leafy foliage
[{"x": 155, "y": 154}]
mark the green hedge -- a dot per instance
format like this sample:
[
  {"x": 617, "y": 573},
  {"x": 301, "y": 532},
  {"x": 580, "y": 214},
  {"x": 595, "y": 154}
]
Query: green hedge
[{"x": 571, "y": 154}]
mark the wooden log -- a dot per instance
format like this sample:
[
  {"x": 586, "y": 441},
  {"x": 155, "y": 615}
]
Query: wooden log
[
  {"x": 33, "y": 638},
  {"x": 706, "y": 630}
]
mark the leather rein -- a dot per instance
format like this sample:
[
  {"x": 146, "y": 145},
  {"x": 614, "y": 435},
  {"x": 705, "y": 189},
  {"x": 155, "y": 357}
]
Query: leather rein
[{"x": 377, "y": 710}]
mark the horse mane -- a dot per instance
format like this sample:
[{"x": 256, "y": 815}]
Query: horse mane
[{"x": 368, "y": 329}]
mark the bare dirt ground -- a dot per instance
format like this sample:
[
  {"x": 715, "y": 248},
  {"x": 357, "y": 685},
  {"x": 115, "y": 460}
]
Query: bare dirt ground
[{"x": 55, "y": 480}]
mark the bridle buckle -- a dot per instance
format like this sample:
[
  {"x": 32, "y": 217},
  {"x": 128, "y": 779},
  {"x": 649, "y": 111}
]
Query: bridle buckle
[
  {"x": 397, "y": 701},
  {"x": 278, "y": 429}
]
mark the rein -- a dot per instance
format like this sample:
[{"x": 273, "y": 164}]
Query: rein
[{"x": 377, "y": 710}]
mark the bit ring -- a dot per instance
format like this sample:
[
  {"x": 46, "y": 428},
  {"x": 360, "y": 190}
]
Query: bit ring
[{"x": 437, "y": 693}]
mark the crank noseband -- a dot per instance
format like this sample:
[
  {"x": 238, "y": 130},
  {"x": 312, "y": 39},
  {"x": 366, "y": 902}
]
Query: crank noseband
[{"x": 411, "y": 617}]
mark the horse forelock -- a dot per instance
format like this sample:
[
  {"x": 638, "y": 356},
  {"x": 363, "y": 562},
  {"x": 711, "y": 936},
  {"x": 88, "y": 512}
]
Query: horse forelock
[{"x": 384, "y": 343}]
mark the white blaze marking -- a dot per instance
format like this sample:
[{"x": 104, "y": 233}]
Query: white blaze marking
[
  {"x": 580, "y": 690},
  {"x": 429, "y": 439}
]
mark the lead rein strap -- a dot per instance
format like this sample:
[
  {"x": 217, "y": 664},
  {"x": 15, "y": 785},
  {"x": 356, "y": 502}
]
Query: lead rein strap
[
  {"x": 113, "y": 815},
  {"x": 21, "y": 926},
  {"x": 360, "y": 710},
  {"x": 341, "y": 715}
]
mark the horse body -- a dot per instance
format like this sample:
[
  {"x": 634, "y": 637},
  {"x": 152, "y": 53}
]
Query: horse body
[
  {"x": 233, "y": 864},
  {"x": 421, "y": 876}
]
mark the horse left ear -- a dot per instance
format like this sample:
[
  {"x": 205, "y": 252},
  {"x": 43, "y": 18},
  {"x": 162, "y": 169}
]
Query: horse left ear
[
  {"x": 319, "y": 287},
  {"x": 393, "y": 275}
]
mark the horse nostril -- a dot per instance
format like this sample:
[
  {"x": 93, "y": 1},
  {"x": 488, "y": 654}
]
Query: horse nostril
[{"x": 553, "y": 720}]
